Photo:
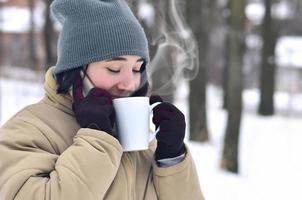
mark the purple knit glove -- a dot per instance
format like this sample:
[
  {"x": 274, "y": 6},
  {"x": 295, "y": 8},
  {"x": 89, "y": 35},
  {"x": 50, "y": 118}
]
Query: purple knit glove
[
  {"x": 95, "y": 110},
  {"x": 172, "y": 126}
]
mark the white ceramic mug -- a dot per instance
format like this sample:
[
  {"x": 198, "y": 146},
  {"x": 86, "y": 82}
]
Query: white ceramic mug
[{"x": 133, "y": 122}]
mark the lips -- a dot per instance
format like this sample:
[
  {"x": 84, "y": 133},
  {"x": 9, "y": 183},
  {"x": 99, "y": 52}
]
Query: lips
[
  {"x": 116, "y": 97},
  {"x": 120, "y": 96}
]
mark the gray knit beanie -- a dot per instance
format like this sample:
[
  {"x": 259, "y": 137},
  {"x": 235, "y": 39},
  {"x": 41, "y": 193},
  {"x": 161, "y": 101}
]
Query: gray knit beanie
[{"x": 95, "y": 30}]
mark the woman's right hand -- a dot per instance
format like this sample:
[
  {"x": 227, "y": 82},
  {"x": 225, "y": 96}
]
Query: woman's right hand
[{"x": 94, "y": 111}]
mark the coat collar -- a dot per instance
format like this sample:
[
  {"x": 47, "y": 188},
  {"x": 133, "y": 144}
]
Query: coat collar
[{"x": 63, "y": 102}]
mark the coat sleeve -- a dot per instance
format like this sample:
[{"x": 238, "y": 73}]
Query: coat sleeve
[
  {"x": 29, "y": 170},
  {"x": 177, "y": 182}
]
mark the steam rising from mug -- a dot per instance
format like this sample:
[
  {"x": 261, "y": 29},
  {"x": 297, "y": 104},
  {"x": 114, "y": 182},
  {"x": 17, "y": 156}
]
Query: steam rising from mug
[{"x": 176, "y": 57}]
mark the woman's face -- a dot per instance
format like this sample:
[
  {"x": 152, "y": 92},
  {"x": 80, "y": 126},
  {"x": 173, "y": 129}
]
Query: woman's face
[{"x": 120, "y": 76}]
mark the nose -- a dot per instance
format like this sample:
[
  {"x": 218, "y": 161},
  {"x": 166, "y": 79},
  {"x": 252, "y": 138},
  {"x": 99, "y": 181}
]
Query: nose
[{"x": 127, "y": 83}]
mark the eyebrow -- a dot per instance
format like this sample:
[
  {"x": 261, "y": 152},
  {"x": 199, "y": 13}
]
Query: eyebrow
[{"x": 122, "y": 59}]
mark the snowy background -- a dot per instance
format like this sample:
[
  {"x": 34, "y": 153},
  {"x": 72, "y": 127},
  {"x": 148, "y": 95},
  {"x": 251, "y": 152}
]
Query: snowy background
[
  {"x": 270, "y": 147},
  {"x": 270, "y": 161}
]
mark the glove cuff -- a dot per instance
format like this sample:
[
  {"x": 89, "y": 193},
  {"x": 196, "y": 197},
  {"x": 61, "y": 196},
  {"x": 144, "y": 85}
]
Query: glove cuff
[{"x": 163, "y": 151}]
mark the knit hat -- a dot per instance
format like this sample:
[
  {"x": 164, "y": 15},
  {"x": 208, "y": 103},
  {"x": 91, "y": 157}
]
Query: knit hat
[{"x": 95, "y": 30}]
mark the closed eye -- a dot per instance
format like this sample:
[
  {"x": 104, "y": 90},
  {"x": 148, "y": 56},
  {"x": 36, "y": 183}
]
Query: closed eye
[
  {"x": 113, "y": 71},
  {"x": 118, "y": 71},
  {"x": 136, "y": 71}
]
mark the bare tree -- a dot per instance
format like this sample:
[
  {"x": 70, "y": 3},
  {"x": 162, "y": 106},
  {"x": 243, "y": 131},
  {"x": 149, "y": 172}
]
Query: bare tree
[
  {"x": 234, "y": 102},
  {"x": 1, "y": 34},
  {"x": 133, "y": 4},
  {"x": 268, "y": 68},
  {"x": 1, "y": 59},
  {"x": 198, "y": 18},
  {"x": 158, "y": 78},
  {"x": 32, "y": 36},
  {"x": 225, "y": 75},
  {"x": 50, "y": 37},
  {"x": 162, "y": 29}
]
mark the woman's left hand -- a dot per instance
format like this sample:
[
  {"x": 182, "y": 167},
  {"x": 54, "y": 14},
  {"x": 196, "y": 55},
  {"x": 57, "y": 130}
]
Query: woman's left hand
[{"x": 172, "y": 126}]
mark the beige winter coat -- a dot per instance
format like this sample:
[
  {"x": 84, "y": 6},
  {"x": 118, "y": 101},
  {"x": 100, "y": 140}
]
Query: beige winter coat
[{"x": 45, "y": 155}]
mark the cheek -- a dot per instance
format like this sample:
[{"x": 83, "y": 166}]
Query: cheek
[
  {"x": 102, "y": 81},
  {"x": 106, "y": 82}
]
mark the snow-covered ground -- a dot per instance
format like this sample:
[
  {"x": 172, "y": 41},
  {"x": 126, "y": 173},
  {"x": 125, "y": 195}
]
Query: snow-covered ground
[{"x": 270, "y": 147}]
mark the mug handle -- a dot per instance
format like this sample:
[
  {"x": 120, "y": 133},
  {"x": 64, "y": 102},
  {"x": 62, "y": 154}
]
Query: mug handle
[{"x": 151, "y": 133}]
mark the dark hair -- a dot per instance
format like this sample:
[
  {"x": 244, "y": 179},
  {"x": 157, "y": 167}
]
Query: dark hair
[
  {"x": 66, "y": 79},
  {"x": 142, "y": 91},
  {"x": 144, "y": 86}
]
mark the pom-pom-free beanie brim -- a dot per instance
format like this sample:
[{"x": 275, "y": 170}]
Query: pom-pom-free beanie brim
[{"x": 95, "y": 30}]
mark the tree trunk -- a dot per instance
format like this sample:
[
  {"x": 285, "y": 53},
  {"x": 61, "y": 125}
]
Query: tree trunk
[
  {"x": 49, "y": 38},
  {"x": 32, "y": 37},
  {"x": 159, "y": 73},
  {"x": 236, "y": 41},
  {"x": 163, "y": 55},
  {"x": 1, "y": 36},
  {"x": 225, "y": 78},
  {"x": 1, "y": 61},
  {"x": 268, "y": 68},
  {"x": 133, "y": 4},
  {"x": 197, "y": 16}
]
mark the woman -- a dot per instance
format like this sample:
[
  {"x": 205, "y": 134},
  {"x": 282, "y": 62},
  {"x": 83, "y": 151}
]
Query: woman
[{"x": 65, "y": 146}]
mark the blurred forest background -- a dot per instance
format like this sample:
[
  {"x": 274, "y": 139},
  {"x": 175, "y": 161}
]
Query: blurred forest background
[{"x": 231, "y": 44}]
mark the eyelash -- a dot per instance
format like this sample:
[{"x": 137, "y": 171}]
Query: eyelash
[
  {"x": 136, "y": 71},
  {"x": 113, "y": 71},
  {"x": 117, "y": 71}
]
